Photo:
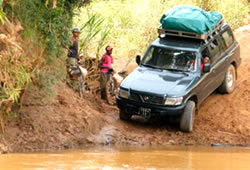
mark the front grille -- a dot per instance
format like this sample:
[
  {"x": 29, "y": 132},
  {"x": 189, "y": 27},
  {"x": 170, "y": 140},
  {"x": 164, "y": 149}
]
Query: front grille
[
  {"x": 135, "y": 96},
  {"x": 146, "y": 98},
  {"x": 157, "y": 100}
]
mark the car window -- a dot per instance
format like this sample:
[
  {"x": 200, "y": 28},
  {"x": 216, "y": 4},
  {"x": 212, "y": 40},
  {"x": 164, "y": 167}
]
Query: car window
[
  {"x": 215, "y": 48},
  {"x": 165, "y": 58},
  {"x": 227, "y": 38}
]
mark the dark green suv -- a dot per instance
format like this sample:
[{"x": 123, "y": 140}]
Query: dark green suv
[{"x": 173, "y": 79}]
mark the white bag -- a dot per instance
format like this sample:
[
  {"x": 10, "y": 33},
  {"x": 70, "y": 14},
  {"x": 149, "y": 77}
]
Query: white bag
[{"x": 84, "y": 72}]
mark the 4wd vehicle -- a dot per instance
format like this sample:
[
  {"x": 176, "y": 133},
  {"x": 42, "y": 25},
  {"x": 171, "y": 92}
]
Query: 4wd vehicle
[{"x": 172, "y": 80}]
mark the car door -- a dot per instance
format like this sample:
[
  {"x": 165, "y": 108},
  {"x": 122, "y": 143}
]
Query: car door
[
  {"x": 218, "y": 63},
  {"x": 205, "y": 84},
  {"x": 210, "y": 81}
]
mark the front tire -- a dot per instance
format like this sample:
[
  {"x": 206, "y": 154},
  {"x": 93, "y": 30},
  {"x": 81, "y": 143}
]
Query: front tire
[
  {"x": 229, "y": 82},
  {"x": 124, "y": 115},
  {"x": 187, "y": 118}
]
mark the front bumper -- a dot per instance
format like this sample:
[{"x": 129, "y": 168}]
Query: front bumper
[{"x": 132, "y": 107}]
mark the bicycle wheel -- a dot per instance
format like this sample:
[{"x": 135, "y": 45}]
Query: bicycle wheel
[{"x": 110, "y": 92}]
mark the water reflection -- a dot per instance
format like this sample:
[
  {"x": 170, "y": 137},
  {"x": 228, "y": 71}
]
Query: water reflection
[{"x": 133, "y": 158}]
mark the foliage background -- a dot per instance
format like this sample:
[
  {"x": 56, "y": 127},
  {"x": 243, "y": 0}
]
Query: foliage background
[
  {"x": 32, "y": 41},
  {"x": 133, "y": 23}
]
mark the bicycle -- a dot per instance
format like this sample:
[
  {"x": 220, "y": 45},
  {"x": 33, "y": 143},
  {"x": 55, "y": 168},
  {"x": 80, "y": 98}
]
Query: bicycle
[{"x": 75, "y": 78}]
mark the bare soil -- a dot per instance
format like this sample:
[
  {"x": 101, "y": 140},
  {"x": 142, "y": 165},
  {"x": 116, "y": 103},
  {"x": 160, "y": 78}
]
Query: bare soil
[{"x": 70, "y": 122}]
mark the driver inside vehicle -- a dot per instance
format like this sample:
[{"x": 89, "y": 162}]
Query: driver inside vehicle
[{"x": 205, "y": 60}]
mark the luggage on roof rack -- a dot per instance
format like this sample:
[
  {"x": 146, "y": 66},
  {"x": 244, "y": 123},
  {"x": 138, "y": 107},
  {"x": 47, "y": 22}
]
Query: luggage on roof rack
[
  {"x": 207, "y": 35},
  {"x": 191, "y": 22}
]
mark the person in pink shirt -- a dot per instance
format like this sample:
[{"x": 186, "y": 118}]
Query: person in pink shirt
[{"x": 106, "y": 70}]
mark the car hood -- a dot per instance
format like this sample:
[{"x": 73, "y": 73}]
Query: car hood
[{"x": 160, "y": 82}]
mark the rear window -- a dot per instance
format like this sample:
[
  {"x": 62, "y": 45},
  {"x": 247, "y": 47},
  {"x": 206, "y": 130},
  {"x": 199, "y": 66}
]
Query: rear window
[{"x": 227, "y": 38}]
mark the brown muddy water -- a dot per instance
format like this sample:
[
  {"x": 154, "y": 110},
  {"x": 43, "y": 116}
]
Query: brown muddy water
[{"x": 178, "y": 158}]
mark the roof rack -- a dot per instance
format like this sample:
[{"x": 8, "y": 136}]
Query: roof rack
[{"x": 206, "y": 36}]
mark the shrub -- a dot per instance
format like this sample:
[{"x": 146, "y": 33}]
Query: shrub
[{"x": 36, "y": 56}]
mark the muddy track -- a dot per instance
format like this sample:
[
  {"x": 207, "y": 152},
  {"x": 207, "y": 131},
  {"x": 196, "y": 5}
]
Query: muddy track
[{"x": 70, "y": 122}]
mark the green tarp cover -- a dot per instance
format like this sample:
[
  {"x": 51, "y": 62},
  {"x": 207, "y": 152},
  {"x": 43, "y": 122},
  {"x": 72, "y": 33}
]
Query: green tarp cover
[{"x": 190, "y": 19}]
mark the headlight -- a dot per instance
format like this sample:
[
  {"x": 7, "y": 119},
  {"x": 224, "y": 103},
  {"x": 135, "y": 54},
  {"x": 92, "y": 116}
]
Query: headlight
[
  {"x": 123, "y": 93},
  {"x": 173, "y": 101}
]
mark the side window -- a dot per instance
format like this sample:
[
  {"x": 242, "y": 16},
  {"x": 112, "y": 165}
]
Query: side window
[
  {"x": 215, "y": 48},
  {"x": 205, "y": 53},
  {"x": 227, "y": 38}
]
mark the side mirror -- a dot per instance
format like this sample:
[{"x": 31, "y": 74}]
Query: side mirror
[
  {"x": 206, "y": 68},
  {"x": 138, "y": 59}
]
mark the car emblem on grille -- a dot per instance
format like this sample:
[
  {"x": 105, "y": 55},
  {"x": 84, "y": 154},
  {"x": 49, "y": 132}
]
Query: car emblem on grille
[{"x": 146, "y": 98}]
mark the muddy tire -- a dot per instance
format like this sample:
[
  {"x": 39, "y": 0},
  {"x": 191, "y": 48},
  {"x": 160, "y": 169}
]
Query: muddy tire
[
  {"x": 124, "y": 115},
  {"x": 229, "y": 82},
  {"x": 187, "y": 118}
]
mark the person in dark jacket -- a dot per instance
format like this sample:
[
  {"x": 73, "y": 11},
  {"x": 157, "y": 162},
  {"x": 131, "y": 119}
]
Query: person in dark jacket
[
  {"x": 73, "y": 56},
  {"x": 73, "y": 49}
]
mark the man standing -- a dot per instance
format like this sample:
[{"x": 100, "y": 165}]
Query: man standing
[
  {"x": 73, "y": 49},
  {"x": 73, "y": 57},
  {"x": 106, "y": 70}
]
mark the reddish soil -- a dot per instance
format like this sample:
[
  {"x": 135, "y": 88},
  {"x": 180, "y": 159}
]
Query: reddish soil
[{"x": 70, "y": 122}]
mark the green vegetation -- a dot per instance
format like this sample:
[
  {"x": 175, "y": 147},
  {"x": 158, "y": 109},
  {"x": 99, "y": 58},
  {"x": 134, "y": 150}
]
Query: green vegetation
[
  {"x": 133, "y": 23},
  {"x": 31, "y": 47},
  {"x": 2, "y": 15}
]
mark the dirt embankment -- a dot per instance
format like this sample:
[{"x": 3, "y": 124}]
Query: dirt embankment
[{"x": 71, "y": 122}]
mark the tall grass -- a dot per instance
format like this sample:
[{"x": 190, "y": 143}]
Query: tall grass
[
  {"x": 133, "y": 23},
  {"x": 2, "y": 14}
]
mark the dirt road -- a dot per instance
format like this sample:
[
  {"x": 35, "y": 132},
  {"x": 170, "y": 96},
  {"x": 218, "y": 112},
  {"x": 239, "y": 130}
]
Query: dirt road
[{"x": 68, "y": 122}]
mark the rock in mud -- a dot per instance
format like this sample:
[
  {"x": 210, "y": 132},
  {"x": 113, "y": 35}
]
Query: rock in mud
[{"x": 3, "y": 149}]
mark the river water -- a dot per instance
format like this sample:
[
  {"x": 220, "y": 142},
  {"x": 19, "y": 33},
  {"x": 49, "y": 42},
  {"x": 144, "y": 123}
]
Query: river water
[{"x": 177, "y": 158}]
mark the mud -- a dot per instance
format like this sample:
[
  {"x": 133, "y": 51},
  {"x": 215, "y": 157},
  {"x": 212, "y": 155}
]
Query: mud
[{"x": 70, "y": 122}]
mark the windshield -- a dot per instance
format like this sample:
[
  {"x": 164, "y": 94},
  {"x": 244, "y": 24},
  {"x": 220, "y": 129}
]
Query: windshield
[{"x": 170, "y": 59}]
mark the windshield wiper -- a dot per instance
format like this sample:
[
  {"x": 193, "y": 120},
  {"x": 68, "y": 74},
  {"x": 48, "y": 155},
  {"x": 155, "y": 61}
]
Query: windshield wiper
[
  {"x": 151, "y": 66},
  {"x": 176, "y": 70}
]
